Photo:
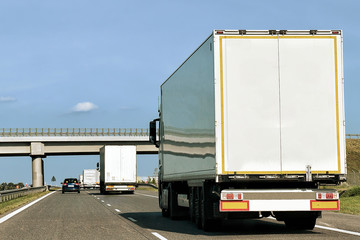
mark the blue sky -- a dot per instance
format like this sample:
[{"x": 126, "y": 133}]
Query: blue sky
[{"x": 114, "y": 55}]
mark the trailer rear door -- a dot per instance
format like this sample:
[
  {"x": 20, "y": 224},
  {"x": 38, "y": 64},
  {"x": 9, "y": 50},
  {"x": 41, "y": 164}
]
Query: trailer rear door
[{"x": 281, "y": 104}]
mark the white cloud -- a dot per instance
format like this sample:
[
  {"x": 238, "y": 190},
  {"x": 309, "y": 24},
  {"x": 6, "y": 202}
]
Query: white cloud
[
  {"x": 84, "y": 107},
  {"x": 7, "y": 99}
]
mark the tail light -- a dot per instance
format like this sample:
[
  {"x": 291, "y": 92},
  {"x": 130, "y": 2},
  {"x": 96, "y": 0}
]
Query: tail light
[
  {"x": 231, "y": 196},
  {"x": 327, "y": 196},
  {"x": 65, "y": 184},
  {"x": 77, "y": 184}
]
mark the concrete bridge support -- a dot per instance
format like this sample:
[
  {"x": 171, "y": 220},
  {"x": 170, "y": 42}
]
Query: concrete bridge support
[
  {"x": 37, "y": 171},
  {"x": 37, "y": 153}
]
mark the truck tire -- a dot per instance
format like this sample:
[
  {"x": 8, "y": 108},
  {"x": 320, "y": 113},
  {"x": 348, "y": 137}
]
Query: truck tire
[
  {"x": 208, "y": 224},
  {"x": 306, "y": 223},
  {"x": 164, "y": 212},
  {"x": 173, "y": 207},
  {"x": 197, "y": 208},
  {"x": 192, "y": 204}
]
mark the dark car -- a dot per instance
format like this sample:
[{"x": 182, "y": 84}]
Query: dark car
[{"x": 71, "y": 185}]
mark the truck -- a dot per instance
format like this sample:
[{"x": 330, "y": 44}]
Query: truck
[
  {"x": 81, "y": 180},
  {"x": 90, "y": 178},
  {"x": 252, "y": 125},
  {"x": 117, "y": 169}
]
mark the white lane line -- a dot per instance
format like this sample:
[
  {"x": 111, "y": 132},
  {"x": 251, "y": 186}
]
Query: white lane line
[
  {"x": 102, "y": 201},
  {"x": 338, "y": 230},
  {"x": 117, "y": 210},
  {"x": 98, "y": 198},
  {"x": 10, "y": 215},
  {"x": 332, "y": 229},
  {"x": 146, "y": 195},
  {"x": 158, "y": 236},
  {"x": 131, "y": 219},
  {"x": 108, "y": 205}
]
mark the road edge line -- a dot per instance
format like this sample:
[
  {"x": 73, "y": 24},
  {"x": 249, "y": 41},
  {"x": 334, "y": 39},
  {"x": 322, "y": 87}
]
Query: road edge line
[
  {"x": 158, "y": 236},
  {"x": 338, "y": 230},
  {"x": 10, "y": 215},
  {"x": 146, "y": 195}
]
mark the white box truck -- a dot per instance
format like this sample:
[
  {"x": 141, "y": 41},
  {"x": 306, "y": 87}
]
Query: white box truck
[
  {"x": 81, "y": 180},
  {"x": 117, "y": 169},
  {"x": 90, "y": 178},
  {"x": 251, "y": 125}
]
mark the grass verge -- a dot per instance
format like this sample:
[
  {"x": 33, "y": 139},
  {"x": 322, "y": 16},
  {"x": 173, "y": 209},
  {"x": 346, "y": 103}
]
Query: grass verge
[
  {"x": 350, "y": 205},
  {"x": 146, "y": 188},
  {"x": 18, "y": 202},
  {"x": 350, "y": 201}
]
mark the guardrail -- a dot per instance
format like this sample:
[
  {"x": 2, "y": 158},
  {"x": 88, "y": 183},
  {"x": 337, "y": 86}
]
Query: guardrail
[
  {"x": 15, "y": 193},
  {"x": 71, "y": 132},
  {"x": 350, "y": 136}
]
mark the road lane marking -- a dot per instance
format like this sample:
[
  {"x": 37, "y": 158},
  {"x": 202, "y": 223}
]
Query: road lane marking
[
  {"x": 338, "y": 230},
  {"x": 10, "y": 215},
  {"x": 331, "y": 229},
  {"x": 102, "y": 201},
  {"x": 131, "y": 219},
  {"x": 98, "y": 198},
  {"x": 108, "y": 205},
  {"x": 117, "y": 210},
  {"x": 158, "y": 236},
  {"x": 146, "y": 195}
]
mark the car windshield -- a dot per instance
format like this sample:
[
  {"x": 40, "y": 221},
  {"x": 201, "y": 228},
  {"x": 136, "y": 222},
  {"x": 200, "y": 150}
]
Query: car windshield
[{"x": 70, "y": 180}]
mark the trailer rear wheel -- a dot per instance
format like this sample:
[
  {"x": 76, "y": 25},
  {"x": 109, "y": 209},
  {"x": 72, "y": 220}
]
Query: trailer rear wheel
[
  {"x": 165, "y": 212},
  {"x": 306, "y": 223},
  {"x": 197, "y": 208},
  {"x": 208, "y": 223},
  {"x": 192, "y": 204}
]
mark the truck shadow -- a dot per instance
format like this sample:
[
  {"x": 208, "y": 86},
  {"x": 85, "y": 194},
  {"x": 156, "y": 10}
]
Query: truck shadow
[{"x": 154, "y": 220}]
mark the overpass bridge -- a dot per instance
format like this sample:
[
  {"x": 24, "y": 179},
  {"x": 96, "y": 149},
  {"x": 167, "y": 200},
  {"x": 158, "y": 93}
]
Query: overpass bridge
[{"x": 41, "y": 142}]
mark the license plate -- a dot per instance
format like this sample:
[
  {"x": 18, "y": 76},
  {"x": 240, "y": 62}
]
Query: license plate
[{"x": 71, "y": 185}]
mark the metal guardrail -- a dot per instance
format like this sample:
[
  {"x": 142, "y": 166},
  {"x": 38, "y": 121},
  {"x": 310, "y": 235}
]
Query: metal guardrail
[
  {"x": 15, "y": 193},
  {"x": 71, "y": 132},
  {"x": 350, "y": 136},
  {"x": 86, "y": 132}
]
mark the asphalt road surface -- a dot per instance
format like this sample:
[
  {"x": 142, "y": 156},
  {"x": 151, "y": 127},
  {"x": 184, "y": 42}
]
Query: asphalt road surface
[{"x": 90, "y": 215}]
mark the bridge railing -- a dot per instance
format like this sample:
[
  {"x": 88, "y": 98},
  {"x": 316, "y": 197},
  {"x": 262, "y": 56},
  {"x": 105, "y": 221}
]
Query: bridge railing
[
  {"x": 7, "y": 195},
  {"x": 351, "y": 136},
  {"x": 70, "y": 132}
]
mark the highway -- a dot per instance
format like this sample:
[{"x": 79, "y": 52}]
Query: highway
[{"x": 90, "y": 215}]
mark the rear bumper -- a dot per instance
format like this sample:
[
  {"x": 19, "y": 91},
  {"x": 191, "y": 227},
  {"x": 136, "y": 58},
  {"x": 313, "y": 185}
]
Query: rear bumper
[
  {"x": 278, "y": 205},
  {"x": 71, "y": 189},
  {"x": 279, "y": 200},
  {"x": 119, "y": 188}
]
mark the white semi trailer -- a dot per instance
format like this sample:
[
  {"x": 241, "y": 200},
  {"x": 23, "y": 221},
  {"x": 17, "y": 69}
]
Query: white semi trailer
[
  {"x": 251, "y": 125},
  {"x": 81, "y": 180},
  {"x": 90, "y": 178},
  {"x": 117, "y": 169}
]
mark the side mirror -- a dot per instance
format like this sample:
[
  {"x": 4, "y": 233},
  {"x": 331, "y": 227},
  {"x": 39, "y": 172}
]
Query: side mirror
[{"x": 153, "y": 135}]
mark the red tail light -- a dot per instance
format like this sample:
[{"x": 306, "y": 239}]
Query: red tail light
[
  {"x": 76, "y": 184},
  {"x": 65, "y": 184},
  {"x": 229, "y": 196}
]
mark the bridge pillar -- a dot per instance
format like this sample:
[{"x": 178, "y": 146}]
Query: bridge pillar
[
  {"x": 37, "y": 153},
  {"x": 37, "y": 171}
]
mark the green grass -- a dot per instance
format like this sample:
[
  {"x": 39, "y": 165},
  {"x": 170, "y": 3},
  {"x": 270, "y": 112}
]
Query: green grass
[
  {"x": 353, "y": 154},
  {"x": 18, "y": 202},
  {"x": 350, "y": 205},
  {"x": 146, "y": 188},
  {"x": 350, "y": 201}
]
